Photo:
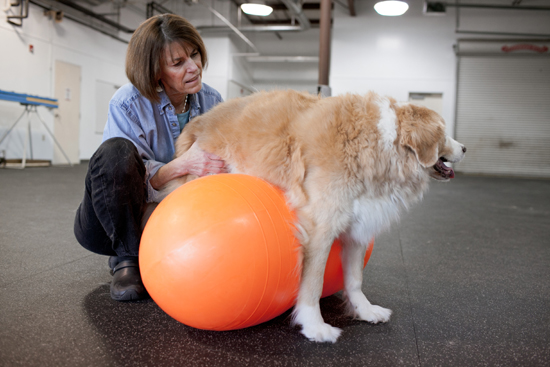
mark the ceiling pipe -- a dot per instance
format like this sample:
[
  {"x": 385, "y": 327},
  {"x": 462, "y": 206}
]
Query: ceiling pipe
[
  {"x": 80, "y": 14},
  {"x": 152, "y": 6},
  {"x": 74, "y": 15},
  {"x": 90, "y": 13},
  {"x": 110, "y": 28},
  {"x": 504, "y": 34},
  {"x": 23, "y": 12},
  {"x": 294, "y": 9},
  {"x": 324, "y": 48},
  {"x": 233, "y": 28},
  {"x": 487, "y": 6},
  {"x": 351, "y": 7},
  {"x": 486, "y": 33},
  {"x": 279, "y": 59},
  {"x": 267, "y": 28}
]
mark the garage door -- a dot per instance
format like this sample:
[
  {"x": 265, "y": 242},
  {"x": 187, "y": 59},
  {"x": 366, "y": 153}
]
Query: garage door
[{"x": 503, "y": 113}]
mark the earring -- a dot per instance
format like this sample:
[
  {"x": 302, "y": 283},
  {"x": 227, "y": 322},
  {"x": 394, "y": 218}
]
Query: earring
[{"x": 159, "y": 88}]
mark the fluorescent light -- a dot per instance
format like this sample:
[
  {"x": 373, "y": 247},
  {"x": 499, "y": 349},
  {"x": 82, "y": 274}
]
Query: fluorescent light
[
  {"x": 391, "y": 8},
  {"x": 256, "y": 9}
]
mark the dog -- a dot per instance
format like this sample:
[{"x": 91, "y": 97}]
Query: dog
[{"x": 348, "y": 165}]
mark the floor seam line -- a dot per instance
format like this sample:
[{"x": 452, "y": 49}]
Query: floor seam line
[{"x": 409, "y": 296}]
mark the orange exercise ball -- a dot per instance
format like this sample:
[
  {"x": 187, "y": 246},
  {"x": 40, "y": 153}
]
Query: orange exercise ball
[
  {"x": 334, "y": 274},
  {"x": 219, "y": 253}
]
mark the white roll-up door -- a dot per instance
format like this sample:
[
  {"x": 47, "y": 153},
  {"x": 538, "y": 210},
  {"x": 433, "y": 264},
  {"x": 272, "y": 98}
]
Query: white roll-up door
[{"x": 503, "y": 114}]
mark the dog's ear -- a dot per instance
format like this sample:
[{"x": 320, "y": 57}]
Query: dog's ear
[{"x": 421, "y": 130}]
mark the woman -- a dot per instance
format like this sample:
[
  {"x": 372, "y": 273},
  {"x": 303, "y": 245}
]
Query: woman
[{"x": 164, "y": 64}]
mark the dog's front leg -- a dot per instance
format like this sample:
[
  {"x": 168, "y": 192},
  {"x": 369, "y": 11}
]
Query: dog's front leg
[
  {"x": 353, "y": 254},
  {"x": 307, "y": 311}
]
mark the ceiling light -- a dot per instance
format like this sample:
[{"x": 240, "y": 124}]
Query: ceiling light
[
  {"x": 391, "y": 8},
  {"x": 256, "y": 9}
]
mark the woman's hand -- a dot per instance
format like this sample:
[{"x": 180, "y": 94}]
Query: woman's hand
[
  {"x": 200, "y": 163},
  {"x": 193, "y": 162}
]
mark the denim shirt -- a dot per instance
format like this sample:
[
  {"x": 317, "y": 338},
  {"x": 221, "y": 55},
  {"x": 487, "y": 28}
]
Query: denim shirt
[{"x": 152, "y": 127}]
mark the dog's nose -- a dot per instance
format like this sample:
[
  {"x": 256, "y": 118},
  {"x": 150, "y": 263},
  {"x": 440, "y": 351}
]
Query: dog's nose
[{"x": 463, "y": 149}]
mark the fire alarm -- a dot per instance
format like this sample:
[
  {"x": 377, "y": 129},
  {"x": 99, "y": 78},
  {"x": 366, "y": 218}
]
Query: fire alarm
[{"x": 31, "y": 49}]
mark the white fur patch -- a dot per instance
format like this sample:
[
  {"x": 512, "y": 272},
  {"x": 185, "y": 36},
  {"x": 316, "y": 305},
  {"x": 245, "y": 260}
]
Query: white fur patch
[
  {"x": 313, "y": 326},
  {"x": 387, "y": 125},
  {"x": 372, "y": 216}
]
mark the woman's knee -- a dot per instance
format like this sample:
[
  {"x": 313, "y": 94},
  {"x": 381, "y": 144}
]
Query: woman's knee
[
  {"x": 89, "y": 232},
  {"x": 120, "y": 157},
  {"x": 119, "y": 148}
]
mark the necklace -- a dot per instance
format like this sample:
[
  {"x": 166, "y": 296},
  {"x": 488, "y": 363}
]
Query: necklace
[{"x": 184, "y": 104}]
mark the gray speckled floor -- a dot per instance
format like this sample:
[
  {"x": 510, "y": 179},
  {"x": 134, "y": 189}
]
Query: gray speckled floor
[{"x": 466, "y": 272}]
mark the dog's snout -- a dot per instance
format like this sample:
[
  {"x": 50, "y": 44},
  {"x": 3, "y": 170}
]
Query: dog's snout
[{"x": 463, "y": 149}]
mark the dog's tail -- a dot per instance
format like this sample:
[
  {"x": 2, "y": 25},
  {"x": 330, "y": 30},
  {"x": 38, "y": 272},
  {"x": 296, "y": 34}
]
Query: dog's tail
[{"x": 295, "y": 195}]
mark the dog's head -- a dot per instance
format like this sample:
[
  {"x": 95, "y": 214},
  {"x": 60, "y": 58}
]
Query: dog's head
[{"x": 423, "y": 131}]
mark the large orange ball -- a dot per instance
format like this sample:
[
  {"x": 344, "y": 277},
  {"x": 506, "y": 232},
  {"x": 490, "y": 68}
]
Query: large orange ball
[
  {"x": 219, "y": 253},
  {"x": 334, "y": 274}
]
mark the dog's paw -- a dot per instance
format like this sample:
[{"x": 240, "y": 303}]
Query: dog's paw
[
  {"x": 313, "y": 326},
  {"x": 321, "y": 333},
  {"x": 373, "y": 314}
]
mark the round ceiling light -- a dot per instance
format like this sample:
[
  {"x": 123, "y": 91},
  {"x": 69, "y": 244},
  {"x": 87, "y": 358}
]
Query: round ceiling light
[
  {"x": 391, "y": 8},
  {"x": 256, "y": 9}
]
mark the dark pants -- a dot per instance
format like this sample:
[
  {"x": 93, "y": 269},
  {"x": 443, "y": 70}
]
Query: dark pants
[{"x": 108, "y": 221}]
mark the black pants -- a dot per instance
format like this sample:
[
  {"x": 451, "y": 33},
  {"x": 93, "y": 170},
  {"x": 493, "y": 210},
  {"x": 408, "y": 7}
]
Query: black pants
[{"x": 108, "y": 221}]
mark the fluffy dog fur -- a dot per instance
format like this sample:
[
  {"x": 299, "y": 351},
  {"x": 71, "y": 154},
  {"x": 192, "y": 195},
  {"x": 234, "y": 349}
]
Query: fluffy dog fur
[{"x": 348, "y": 165}]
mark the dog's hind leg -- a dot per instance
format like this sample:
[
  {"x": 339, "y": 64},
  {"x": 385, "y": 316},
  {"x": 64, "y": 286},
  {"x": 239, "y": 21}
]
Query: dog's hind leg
[
  {"x": 307, "y": 311},
  {"x": 353, "y": 254}
]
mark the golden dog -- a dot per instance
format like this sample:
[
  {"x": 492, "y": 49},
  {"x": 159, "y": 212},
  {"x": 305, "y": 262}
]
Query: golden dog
[{"x": 348, "y": 165}]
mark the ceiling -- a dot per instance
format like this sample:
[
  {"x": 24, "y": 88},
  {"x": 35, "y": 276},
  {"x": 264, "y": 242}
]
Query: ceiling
[
  {"x": 288, "y": 15},
  {"x": 284, "y": 16}
]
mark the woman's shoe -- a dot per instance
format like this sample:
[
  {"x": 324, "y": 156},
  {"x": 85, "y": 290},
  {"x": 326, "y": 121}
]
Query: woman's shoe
[{"x": 127, "y": 284}]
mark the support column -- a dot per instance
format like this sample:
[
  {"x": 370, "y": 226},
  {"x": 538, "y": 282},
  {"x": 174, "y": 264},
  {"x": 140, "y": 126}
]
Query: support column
[{"x": 324, "y": 48}]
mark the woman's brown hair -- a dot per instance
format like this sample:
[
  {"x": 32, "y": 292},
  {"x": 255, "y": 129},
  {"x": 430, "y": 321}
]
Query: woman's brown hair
[{"x": 146, "y": 50}]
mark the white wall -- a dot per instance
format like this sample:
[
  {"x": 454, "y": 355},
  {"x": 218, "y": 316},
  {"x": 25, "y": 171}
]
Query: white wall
[
  {"x": 224, "y": 67},
  {"x": 302, "y": 76},
  {"x": 217, "y": 71},
  {"x": 100, "y": 58},
  {"x": 394, "y": 55},
  {"x": 414, "y": 52},
  {"x": 240, "y": 81}
]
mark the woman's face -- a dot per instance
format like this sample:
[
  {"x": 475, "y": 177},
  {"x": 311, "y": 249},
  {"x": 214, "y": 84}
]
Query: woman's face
[{"x": 181, "y": 70}]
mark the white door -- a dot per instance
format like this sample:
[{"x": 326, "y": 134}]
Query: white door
[{"x": 67, "y": 116}]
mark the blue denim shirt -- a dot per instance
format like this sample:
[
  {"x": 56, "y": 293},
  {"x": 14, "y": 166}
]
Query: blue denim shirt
[{"x": 152, "y": 127}]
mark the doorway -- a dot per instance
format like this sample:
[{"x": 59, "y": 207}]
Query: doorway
[{"x": 67, "y": 116}]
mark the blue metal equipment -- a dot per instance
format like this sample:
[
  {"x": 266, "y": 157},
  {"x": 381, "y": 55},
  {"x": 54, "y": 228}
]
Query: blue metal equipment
[{"x": 31, "y": 103}]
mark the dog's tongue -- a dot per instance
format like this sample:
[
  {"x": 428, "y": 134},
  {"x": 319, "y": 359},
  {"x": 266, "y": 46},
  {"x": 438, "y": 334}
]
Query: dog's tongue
[{"x": 444, "y": 170}]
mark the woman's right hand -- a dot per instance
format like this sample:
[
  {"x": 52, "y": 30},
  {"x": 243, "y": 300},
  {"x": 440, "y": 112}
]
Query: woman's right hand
[{"x": 193, "y": 162}]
